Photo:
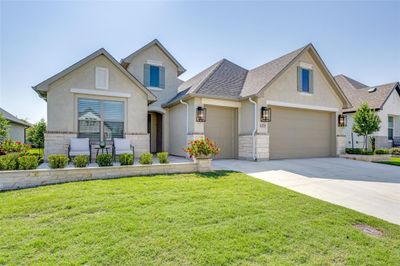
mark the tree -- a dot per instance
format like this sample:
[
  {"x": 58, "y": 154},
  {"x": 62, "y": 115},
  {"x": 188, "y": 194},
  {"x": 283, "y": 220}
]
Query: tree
[
  {"x": 35, "y": 134},
  {"x": 366, "y": 122},
  {"x": 3, "y": 128}
]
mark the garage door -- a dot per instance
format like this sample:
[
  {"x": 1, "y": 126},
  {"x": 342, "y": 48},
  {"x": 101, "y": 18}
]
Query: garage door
[
  {"x": 221, "y": 127},
  {"x": 300, "y": 133}
]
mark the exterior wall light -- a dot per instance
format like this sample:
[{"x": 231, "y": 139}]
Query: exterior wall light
[
  {"x": 201, "y": 114},
  {"x": 342, "y": 120},
  {"x": 265, "y": 114}
]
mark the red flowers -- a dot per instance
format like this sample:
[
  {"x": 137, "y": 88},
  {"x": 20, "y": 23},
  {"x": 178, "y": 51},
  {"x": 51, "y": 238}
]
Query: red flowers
[{"x": 202, "y": 147}]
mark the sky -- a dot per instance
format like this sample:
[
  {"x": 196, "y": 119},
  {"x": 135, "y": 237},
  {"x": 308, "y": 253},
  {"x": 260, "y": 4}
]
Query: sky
[{"x": 40, "y": 39}]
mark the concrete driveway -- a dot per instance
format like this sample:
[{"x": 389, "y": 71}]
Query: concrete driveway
[{"x": 369, "y": 188}]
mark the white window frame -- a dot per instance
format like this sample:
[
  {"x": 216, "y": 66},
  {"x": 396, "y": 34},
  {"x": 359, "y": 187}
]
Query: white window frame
[{"x": 105, "y": 70}]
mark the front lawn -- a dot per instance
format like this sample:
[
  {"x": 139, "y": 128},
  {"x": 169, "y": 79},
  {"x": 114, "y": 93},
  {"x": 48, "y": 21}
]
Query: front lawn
[
  {"x": 188, "y": 219},
  {"x": 393, "y": 161}
]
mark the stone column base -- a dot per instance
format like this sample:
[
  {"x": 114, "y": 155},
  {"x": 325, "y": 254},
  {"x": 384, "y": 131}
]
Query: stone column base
[
  {"x": 261, "y": 147},
  {"x": 340, "y": 144},
  {"x": 141, "y": 142},
  {"x": 57, "y": 143}
]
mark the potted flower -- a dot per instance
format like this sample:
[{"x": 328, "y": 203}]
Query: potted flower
[{"x": 202, "y": 148}]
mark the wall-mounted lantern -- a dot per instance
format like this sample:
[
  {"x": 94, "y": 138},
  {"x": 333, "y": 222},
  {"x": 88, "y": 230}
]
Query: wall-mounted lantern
[
  {"x": 265, "y": 114},
  {"x": 342, "y": 120},
  {"x": 201, "y": 114}
]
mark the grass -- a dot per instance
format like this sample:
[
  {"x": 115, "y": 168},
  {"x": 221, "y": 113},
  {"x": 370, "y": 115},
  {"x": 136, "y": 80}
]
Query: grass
[
  {"x": 222, "y": 218},
  {"x": 393, "y": 161}
]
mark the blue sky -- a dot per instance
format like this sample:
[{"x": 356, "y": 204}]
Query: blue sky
[{"x": 39, "y": 39}]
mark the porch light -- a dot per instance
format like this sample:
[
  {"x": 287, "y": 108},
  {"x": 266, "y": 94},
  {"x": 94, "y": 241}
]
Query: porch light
[
  {"x": 201, "y": 114},
  {"x": 265, "y": 114},
  {"x": 342, "y": 120}
]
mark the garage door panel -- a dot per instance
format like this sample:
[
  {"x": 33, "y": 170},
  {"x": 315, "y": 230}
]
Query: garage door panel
[
  {"x": 300, "y": 133},
  {"x": 221, "y": 127}
]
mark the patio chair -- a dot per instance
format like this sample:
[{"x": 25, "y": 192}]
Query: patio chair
[
  {"x": 122, "y": 146},
  {"x": 79, "y": 146},
  {"x": 396, "y": 141}
]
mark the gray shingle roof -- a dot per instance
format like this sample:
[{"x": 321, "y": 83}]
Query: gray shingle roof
[
  {"x": 13, "y": 118},
  {"x": 259, "y": 77},
  {"x": 358, "y": 93}
]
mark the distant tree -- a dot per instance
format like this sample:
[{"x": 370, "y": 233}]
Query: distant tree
[
  {"x": 366, "y": 122},
  {"x": 35, "y": 134},
  {"x": 4, "y": 125}
]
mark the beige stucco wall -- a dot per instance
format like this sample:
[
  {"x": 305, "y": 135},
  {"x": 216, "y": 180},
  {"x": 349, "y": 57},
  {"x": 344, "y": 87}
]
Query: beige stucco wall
[
  {"x": 153, "y": 53},
  {"x": 16, "y": 132},
  {"x": 177, "y": 132},
  {"x": 62, "y": 103}
]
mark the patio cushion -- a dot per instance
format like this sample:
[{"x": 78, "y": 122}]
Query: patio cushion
[
  {"x": 76, "y": 153},
  {"x": 122, "y": 144},
  {"x": 79, "y": 144}
]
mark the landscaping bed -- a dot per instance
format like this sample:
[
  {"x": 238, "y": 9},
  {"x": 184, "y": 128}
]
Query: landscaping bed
[
  {"x": 222, "y": 218},
  {"x": 379, "y": 155}
]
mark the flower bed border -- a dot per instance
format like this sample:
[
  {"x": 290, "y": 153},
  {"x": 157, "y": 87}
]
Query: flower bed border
[
  {"x": 10, "y": 180},
  {"x": 367, "y": 158}
]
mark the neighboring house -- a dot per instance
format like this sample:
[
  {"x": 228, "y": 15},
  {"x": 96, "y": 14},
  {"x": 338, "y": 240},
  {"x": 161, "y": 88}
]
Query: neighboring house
[
  {"x": 142, "y": 99},
  {"x": 384, "y": 99},
  {"x": 17, "y": 127}
]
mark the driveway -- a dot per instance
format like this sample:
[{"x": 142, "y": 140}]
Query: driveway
[{"x": 369, "y": 188}]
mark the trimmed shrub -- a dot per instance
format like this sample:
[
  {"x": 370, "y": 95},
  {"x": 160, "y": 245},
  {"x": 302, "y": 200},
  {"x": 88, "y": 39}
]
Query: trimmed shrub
[
  {"x": 126, "y": 159},
  {"x": 9, "y": 161},
  {"x": 163, "y": 157},
  {"x": 146, "y": 158},
  {"x": 28, "y": 162},
  {"x": 381, "y": 151},
  {"x": 58, "y": 161},
  {"x": 104, "y": 160},
  {"x": 80, "y": 161},
  {"x": 395, "y": 151},
  {"x": 358, "y": 151}
]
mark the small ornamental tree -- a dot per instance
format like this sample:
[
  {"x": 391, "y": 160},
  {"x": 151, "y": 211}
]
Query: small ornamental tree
[
  {"x": 3, "y": 128},
  {"x": 366, "y": 122}
]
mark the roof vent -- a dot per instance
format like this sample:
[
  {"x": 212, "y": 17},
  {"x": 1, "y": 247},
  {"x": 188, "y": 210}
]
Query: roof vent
[{"x": 372, "y": 90}]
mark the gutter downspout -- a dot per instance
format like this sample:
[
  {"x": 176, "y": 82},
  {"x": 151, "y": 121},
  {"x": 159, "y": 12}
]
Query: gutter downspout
[
  {"x": 187, "y": 116},
  {"x": 255, "y": 128}
]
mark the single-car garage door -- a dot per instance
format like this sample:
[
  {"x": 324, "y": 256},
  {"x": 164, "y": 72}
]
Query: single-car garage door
[
  {"x": 221, "y": 127},
  {"x": 301, "y": 133}
]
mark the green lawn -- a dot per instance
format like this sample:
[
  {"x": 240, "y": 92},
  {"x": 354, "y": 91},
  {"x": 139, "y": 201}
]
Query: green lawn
[
  {"x": 393, "y": 161},
  {"x": 190, "y": 219}
]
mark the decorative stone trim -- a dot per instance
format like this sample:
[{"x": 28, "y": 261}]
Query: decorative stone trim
[{"x": 10, "y": 180}]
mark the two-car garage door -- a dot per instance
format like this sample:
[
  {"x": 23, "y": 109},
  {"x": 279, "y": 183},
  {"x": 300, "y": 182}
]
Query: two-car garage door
[{"x": 301, "y": 133}]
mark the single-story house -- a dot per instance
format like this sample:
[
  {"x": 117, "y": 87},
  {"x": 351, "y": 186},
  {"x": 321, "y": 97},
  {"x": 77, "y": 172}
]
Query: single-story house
[
  {"x": 286, "y": 108},
  {"x": 384, "y": 99},
  {"x": 17, "y": 127}
]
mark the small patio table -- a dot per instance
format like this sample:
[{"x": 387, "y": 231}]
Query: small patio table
[{"x": 98, "y": 148}]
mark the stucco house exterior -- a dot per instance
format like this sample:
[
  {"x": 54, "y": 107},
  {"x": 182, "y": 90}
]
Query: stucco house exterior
[
  {"x": 17, "y": 127},
  {"x": 384, "y": 99},
  {"x": 286, "y": 108}
]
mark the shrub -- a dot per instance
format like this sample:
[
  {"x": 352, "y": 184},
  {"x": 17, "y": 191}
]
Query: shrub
[
  {"x": 395, "y": 151},
  {"x": 9, "y": 146},
  {"x": 203, "y": 147},
  {"x": 58, "y": 161},
  {"x": 146, "y": 158},
  {"x": 358, "y": 151},
  {"x": 126, "y": 159},
  {"x": 9, "y": 161},
  {"x": 381, "y": 151},
  {"x": 80, "y": 161},
  {"x": 28, "y": 162},
  {"x": 104, "y": 160},
  {"x": 163, "y": 157}
]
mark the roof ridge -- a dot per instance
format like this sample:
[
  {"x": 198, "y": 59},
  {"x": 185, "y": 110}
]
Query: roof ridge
[{"x": 219, "y": 64}]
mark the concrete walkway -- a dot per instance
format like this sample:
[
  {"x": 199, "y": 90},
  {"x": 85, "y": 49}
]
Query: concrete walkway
[{"x": 369, "y": 188}]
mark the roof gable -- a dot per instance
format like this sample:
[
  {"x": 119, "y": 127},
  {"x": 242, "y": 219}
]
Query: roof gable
[
  {"x": 43, "y": 87},
  {"x": 358, "y": 93},
  {"x": 13, "y": 118},
  {"x": 127, "y": 60}
]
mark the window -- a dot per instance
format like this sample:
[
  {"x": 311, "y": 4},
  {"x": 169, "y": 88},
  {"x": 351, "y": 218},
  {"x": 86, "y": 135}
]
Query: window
[
  {"x": 101, "y": 78},
  {"x": 154, "y": 76},
  {"x": 304, "y": 80},
  {"x": 390, "y": 127},
  {"x": 100, "y": 120}
]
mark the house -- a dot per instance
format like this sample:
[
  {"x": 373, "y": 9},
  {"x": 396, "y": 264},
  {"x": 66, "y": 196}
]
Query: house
[
  {"x": 384, "y": 99},
  {"x": 17, "y": 127},
  {"x": 287, "y": 108}
]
